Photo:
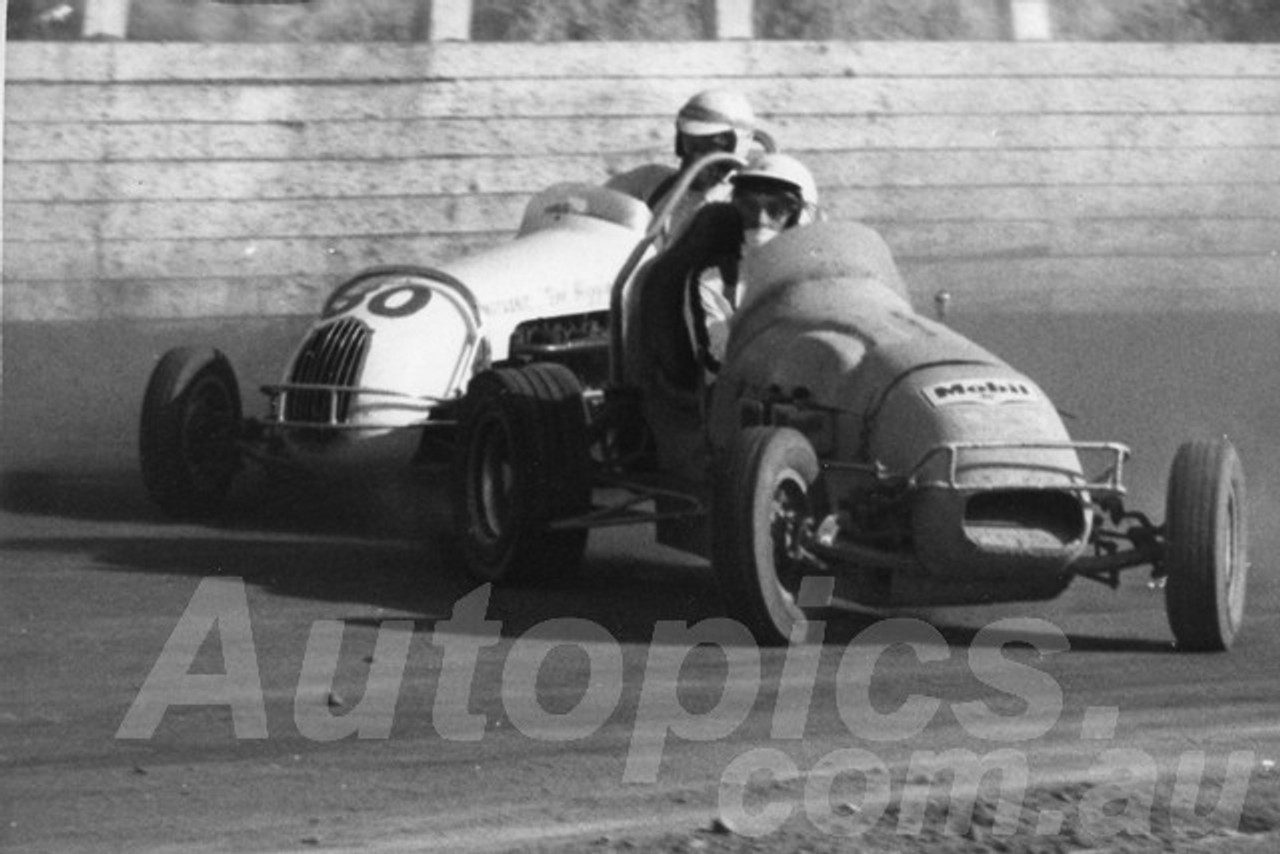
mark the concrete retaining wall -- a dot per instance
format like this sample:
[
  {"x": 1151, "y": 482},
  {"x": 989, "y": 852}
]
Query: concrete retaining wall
[{"x": 182, "y": 181}]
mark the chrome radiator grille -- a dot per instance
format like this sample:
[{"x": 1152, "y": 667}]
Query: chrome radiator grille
[{"x": 331, "y": 356}]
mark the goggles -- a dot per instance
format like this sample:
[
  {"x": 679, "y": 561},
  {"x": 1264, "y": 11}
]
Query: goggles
[
  {"x": 697, "y": 146},
  {"x": 774, "y": 206}
]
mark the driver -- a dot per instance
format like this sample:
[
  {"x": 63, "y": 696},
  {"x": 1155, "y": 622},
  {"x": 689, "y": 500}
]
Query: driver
[
  {"x": 712, "y": 120},
  {"x": 691, "y": 292},
  {"x": 771, "y": 194}
]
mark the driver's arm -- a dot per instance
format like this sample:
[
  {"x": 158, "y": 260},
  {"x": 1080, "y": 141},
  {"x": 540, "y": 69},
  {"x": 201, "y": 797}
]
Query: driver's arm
[{"x": 709, "y": 309}]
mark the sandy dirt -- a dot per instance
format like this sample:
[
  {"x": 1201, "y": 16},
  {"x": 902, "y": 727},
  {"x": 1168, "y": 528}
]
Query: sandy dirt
[{"x": 590, "y": 721}]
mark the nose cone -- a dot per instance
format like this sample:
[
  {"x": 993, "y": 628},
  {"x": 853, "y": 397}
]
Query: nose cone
[{"x": 1013, "y": 536}]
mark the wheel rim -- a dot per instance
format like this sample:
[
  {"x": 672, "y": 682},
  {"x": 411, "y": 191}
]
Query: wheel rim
[
  {"x": 495, "y": 479},
  {"x": 1234, "y": 563},
  {"x": 208, "y": 433},
  {"x": 788, "y": 512}
]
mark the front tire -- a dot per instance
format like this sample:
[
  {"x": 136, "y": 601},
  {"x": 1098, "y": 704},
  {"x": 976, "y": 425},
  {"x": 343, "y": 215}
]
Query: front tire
[
  {"x": 1206, "y": 555},
  {"x": 760, "y": 506},
  {"x": 523, "y": 463},
  {"x": 189, "y": 432}
]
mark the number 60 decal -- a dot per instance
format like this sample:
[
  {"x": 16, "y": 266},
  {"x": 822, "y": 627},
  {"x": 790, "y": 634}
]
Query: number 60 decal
[{"x": 393, "y": 298}]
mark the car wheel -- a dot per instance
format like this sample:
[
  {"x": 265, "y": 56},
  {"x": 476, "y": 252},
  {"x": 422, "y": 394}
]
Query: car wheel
[
  {"x": 189, "y": 432},
  {"x": 523, "y": 464},
  {"x": 760, "y": 506},
  {"x": 1206, "y": 546}
]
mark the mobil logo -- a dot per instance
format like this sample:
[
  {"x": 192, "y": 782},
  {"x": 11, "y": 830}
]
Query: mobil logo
[{"x": 989, "y": 391}]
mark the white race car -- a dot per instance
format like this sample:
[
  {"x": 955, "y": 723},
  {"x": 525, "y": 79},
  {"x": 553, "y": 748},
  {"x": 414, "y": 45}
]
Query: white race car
[{"x": 377, "y": 377}]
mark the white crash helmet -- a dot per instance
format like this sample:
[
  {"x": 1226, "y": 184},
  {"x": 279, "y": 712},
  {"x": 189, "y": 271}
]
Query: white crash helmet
[
  {"x": 772, "y": 170},
  {"x": 713, "y": 112}
]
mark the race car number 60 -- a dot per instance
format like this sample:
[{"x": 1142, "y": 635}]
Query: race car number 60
[{"x": 401, "y": 300}]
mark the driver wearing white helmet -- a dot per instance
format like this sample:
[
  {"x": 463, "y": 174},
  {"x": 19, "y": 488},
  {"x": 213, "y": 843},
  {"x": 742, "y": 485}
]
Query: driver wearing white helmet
[
  {"x": 711, "y": 121},
  {"x": 714, "y": 120},
  {"x": 691, "y": 291},
  {"x": 773, "y": 193}
]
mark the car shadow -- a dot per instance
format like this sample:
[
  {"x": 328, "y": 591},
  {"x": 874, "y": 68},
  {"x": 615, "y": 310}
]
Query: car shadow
[
  {"x": 386, "y": 544},
  {"x": 280, "y": 502},
  {"x": 92, "y": 495},
  {"x": 420, "y": 579}
]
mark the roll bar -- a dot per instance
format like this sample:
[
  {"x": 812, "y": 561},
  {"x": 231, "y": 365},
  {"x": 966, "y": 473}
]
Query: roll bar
[{"x": 659, "y": 227}]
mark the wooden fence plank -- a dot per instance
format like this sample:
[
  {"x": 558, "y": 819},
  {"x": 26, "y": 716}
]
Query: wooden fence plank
[
  {"x": 642, "y": 137},
  {"x": 1212, "y": 206},
  {"x": 224, "y": 102},
  {"x": 1067, "y": 285},
  {"x": 485, "y": 175},
  {"x": 386, "y": 63},
  {"x": 242, "y": 258},
  {"x": 178, "y": 219},
  {"x": 263, "y": 255},
  {"x": 1104, "y": 166},
  {"x": 995, "y": 204},
  {"x": 284, "y": 179},
  {"x": 359, "y": 140}
]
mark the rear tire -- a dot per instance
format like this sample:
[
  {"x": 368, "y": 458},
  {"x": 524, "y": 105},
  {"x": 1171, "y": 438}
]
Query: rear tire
[
  {"x": 523, "y": 463},
  {"x": 760, "y": 503},
  {"x": 1206, "y": 546},
  {"x": 189, "y": 432}
]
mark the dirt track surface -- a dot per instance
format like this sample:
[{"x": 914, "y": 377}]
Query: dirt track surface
[{"x": 558, "y": 739}]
